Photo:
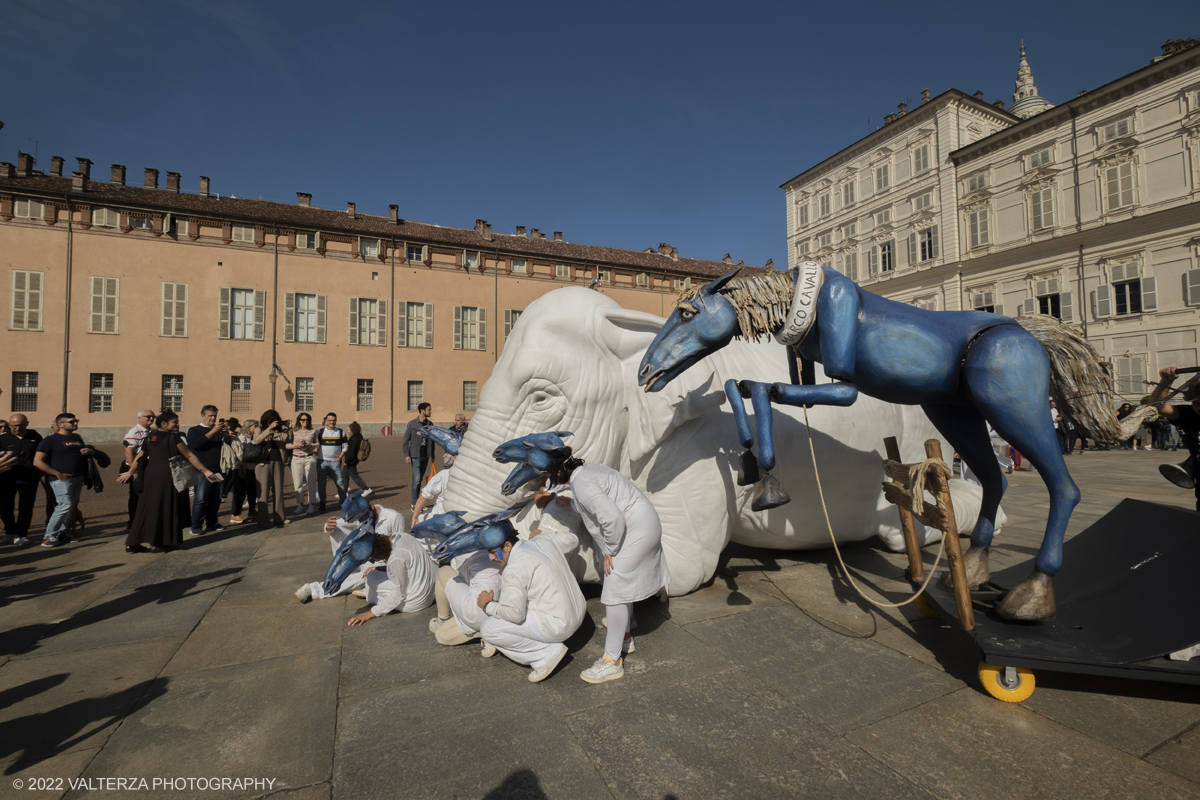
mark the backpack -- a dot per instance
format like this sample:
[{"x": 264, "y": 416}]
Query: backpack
[{"x": 364, "y": 449}]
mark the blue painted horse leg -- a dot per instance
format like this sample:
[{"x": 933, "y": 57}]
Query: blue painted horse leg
[
  {"x": 825, "y": 394},
  {"x": 745, "y": 436},
  {"x": 966, "y": 431},
  {"x": 764, "y": 422}
]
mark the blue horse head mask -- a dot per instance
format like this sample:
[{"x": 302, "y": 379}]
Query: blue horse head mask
[
  {"x": 355, "y": 550},
  {"x": 485, "y": 533},
  {"x": 439, "y": 527},
  {"x": 533, "y": 454},
  {"x": 447, "y": 439},
  {"x": 699, "y": 326}
]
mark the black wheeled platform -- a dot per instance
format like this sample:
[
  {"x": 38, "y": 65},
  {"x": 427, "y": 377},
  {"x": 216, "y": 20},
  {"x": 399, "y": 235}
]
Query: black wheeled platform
[{"x": 1127, "y": 595}]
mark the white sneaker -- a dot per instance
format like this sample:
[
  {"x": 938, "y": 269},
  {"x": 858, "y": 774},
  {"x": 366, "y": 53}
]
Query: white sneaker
[
  {"x": 541, "y": 673},
  {"x": 310, "y": 509},
  {"x": 360, "y": 593},
  {"x": 627, "y": 646},
  {"x": 297, "y": 511},
  {"x": 21, "y": 541},
  {"x": 603, "y": 670},
  {"x": 304, "y": 593},
  {"x": 435, "y": 623},
  {"x": 487, "y": 650}
]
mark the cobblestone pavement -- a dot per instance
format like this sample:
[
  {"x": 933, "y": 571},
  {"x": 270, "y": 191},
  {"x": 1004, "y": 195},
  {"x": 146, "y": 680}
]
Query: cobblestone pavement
[{"x": 776, "y": 680}]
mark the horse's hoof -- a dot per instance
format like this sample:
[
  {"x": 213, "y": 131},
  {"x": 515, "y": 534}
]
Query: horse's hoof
[
  {"x": 748, "y": 473},
  {"x": 1031, "y": 600},
  {"x": 977, "y": 567},
  {"x": 770, "y": 494}
]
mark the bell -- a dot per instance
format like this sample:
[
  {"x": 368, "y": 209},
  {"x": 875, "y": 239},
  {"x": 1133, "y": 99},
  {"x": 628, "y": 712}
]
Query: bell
[
  {"x": 748, "y": 469},
  {"x": 1179, "y": 474},
  {"x": 770, "y": 494}
]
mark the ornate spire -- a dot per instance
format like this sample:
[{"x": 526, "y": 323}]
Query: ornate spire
[{"x": 1026, "y": 101}]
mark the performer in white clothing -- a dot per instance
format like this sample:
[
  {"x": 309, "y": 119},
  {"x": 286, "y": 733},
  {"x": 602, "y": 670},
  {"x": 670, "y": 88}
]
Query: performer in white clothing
[
  {"x": 540, "y": 603},
  {"x": 429, "y": 504},
  {"x": 627, "y": 530},
  {"x": 475, "y": 574}
]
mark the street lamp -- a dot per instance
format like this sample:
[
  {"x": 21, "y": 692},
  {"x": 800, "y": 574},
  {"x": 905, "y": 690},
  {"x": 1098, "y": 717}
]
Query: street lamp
[{"x": 272, "y": 377}]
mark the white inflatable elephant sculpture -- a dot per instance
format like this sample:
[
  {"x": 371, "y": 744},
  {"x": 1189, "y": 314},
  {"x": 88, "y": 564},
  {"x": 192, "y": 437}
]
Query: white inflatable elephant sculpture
[{"x": 570, "y": 363}]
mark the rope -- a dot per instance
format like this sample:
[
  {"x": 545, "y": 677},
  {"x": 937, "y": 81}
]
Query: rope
[
  {"x": 937, "y": 463},
  {"x": 916, "y": 476}
]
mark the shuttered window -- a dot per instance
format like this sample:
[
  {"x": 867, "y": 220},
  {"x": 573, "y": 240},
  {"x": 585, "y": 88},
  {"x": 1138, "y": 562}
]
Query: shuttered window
[
  {"x": 105, "y": 305},
  {"x": 304, "y": 317},
  {"x": 368, "y": 321},
  {"x": 174, "y": 309},
  {"x": 243, "y": 233},
  {"x": 1191, "y": 287},
  {"x": 1042, "y": 203},
  {"x": 470, "y": 328},
  {"x": 241, "y": 313},
  {"x": 511, "y": 315},
  {"x": 850, "y": 265},
  {"x": 26, "y": 311},
  {"x": 921, "y": 158},
  {"x": 1131, "y": 375},
  {"x": 1118, "y": 183},
  {"x": 981, "y": 232},
  {"x": 27, "y": 208},
  {"x": 106, "y": 217},
  {"x": 883, "y": 177},
  {"x": 415, "y": 324},
  {"x": 520, "y": 266},
  {"x": 643, "y": 280}
]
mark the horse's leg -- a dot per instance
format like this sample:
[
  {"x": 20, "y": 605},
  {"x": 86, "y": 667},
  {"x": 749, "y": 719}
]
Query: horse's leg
[
  {"x": 745, "y": 436},
  {"x": 966, "y": 431},
  {"x": 1007, "y": 376}
]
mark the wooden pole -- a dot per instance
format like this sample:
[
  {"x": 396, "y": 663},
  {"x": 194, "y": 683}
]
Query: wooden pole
[
  {"x": 940, "y": 486},
  {"x": 916, "y": 568}
]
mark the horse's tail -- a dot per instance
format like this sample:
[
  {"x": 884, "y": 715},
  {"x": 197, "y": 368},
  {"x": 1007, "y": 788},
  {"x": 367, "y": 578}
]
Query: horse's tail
[{"x": 1080, "y": 383}]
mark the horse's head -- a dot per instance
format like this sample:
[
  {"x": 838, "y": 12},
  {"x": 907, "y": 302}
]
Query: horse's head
[
  {"x": 440, "y": 526},
  {"x": 701, "y": 324},
  {"x": 533, "y": 454},
  {"x": 353, "y": 552},
  {"x": 486, "y": 533},
  {"x": 447, "y": 439}
]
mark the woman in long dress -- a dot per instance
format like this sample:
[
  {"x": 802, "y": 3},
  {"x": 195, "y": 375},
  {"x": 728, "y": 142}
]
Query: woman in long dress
[
  {"x": 162, "y": 512},
  {"x": 627, "y": 530}
]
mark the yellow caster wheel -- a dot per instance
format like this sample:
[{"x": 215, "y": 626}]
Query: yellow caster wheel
[
  {"x": 1010, "y": 684},
  {"x": 923, "y": 606}
]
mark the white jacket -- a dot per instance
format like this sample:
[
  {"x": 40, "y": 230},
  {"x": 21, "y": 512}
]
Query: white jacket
[
  {"x": 537, "y": 583},
  {"x": 411, "y": 575}
]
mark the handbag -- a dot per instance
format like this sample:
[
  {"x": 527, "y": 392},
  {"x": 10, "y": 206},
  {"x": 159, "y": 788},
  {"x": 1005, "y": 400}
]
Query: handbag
[
  {"x": 183, "y": 474},
  {"x": 255, "y": 453}
]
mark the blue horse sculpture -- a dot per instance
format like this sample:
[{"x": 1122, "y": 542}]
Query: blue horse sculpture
[
  {"x": 964, "y": 368},
  {"x": 447, "y": 439}
]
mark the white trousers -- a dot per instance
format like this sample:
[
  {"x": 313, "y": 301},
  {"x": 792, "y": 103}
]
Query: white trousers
[
  {"x": 354, "y": 581},
  {"x": 464, "y": 605},
  {"x": 304, "y": 479},
  {"x": 524, "y": 643}
]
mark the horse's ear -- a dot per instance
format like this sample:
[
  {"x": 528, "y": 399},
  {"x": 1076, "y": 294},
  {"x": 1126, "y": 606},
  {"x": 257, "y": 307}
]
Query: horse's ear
[{"x": 715, "y": 286}]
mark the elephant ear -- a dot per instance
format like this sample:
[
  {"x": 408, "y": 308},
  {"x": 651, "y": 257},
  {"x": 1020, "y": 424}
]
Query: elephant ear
[{"x": 653, "y": 416}]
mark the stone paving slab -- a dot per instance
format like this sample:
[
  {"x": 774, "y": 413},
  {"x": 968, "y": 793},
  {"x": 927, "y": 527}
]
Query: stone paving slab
[
  {"x": 968, "y": 745},
  {"x": 53, "y": 772},
  {"x": 1180, "y": 755}
]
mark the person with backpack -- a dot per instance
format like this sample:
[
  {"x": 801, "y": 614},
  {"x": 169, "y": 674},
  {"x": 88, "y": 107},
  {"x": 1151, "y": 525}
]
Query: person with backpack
[{"x": 357, "y": 449}]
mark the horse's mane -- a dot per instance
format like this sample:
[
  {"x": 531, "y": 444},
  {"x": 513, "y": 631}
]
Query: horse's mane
[{"x": 761, "y": 300}]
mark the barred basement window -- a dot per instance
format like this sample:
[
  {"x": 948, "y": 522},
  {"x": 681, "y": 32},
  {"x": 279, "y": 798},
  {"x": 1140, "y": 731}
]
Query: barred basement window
[
  {"x": 100, "y": 396},
  {"x": 304, "y": 394},
  {"x": 239, "y": 393},
  {"x": 366, "y": 394},
  {"x": 24, "y": 391},
  {"x": 416, "y": 394},
  {"x": 470, "y": 395},
  {"x": 172, "y": 393},
  {"x": 243, "y": 233}
]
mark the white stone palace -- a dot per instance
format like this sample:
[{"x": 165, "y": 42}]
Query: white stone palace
[{"x": 1088, "y": 210}]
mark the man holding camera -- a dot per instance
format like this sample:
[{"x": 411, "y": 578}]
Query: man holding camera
[
  {"x": 1186, "y": 416},
  {"x": 205, "y": 441}
]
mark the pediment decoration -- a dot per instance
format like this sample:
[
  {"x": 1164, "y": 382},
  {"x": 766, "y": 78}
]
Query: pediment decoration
[
  {"x": 920, "y": 136},
  {"x": 923, "y": 219},
  {"x": 825, "y": 252},
  {"x": 1040, "y": 178},
  {"x": 883, "y": 233},
  {"x": 978, "y": 198},
  {"x": 1116, "y": 147},
  {"x": 800, "y": 197},
  {"x": 847, "y": 245},
  {"x": 848, "y": 174},
  {"x": 824, "y": 184},
  {"x": 1191, "y": 123},
  {"x": 975, "y": 128},
  {"x": 882, "y": 154}
]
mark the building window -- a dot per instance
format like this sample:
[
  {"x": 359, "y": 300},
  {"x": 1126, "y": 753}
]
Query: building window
[
  {"x": 562, "y": 271},
  {"x": 883, "y": 257},
  {"x": 242, "y": 233},
  {"x": 416, "y": 325},
  {"x": 823, "y": 204},
  {"x": 368, "y": 321},
  {"x": 604, "y": 276},
  {"x": 470, "y": 328},
  {"x": 242, "y": 314},
  {"x": 26, "y": 311},
  {"x": 883, "y": 177},
  {"x": 141, "y": 224},
  {"x": 106, "y": 217},
  {"x": 1041, "y": 158},
  {"x": 100, "y": 396},
  {"x": 519, "y": 266},
  {"x": 643, "y": 280},
  {"x": 511, "y": 315},
  {"x": 306, "y": 240},
  {"x": 850, "y": 265},
  {"x": 239, "y": 393},
  {"x": 172, "y": 393},
  {"x": 416, "y": 394},
  {"x": 368, "y": 247},
  {"x": 927, "y": 303},
  {"x": 471, "y": 259},
  {"x": 366, "y": 394},
  {"x": 1116, "y": 130},
  {"x": 304, "y": 394},
  {"x": 684, "y": 284},
  {"x": 803, "y": 214},
  {"x": 984, "y": 301},
  {"x": 980, "y": 231},
  {"x": 923, "y": 201},
  {"x": 1051, "y": 300},
  {"x": 825, "y": 239},
  {"x": 921, "y": 158},
  {"x": 848, "y": 194},
  {"x": 923, "y": 245},
  {"x": 174, "y": 309},
  {"x": 849, "y": 230},
  {"x": 105, "y": 305},
  {"x": 1118, "y": 183},
  {"x": 178, "y": 227},
  {"x": 304, "y": 323},
  {"x": 977, "y": 183},
  {"x": 1132, "y": 292},
  {"x": 883, "y": 217},
  {"x": 803, "y": 249},
  {"x": 1042, "y": 203},
  {"x": 1131, "y": 375},
  {"x": 24, "y": 391},
  {"x": 470, "y": 395},
  {"x": 28, "y": 208}
]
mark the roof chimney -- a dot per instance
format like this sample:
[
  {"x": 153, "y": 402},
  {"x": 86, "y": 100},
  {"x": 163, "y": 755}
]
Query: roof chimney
[
  {"x": 79, "y": 182},
  {"x": 888, "y": 119},
  {"x": 151, "y": 179},
  {"x": 924, "y": 96},
  {"x": 394, "y": 213},
  {"x": 203, "y": 186},
  {"x": 558, "y": 236},
  {"x": 770, "y": 264},
  {"x": 664, "y": 248},
  {"x": 117, "y": 175},
  {"x": 173, "y": 182},
  {"x": 24, "y": 164},
  {"x": 728, "y": 259},
  {"x": 978, "y": 96},
  {"x": 520, "y": 230},
  {"x": 7, "y": 170},
  {"x": 350, "y": 210},
  {"x": 999, "y": 104},
  {"x": 56, "y": 165},
  {"x": 537, "y": 234},
  {"x": 303, "y": 199},
  {"x": 487, "y": 233},
  {"x": 85, "y": 166}
]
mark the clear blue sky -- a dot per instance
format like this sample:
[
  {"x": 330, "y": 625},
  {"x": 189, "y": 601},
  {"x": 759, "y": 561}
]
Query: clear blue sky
[{"x": 621, "y": 124}]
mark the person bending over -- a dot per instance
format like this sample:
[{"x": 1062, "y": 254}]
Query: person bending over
[
  {"x": 460, "y": 618},
  {"x": 1186, "y": 416}
]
